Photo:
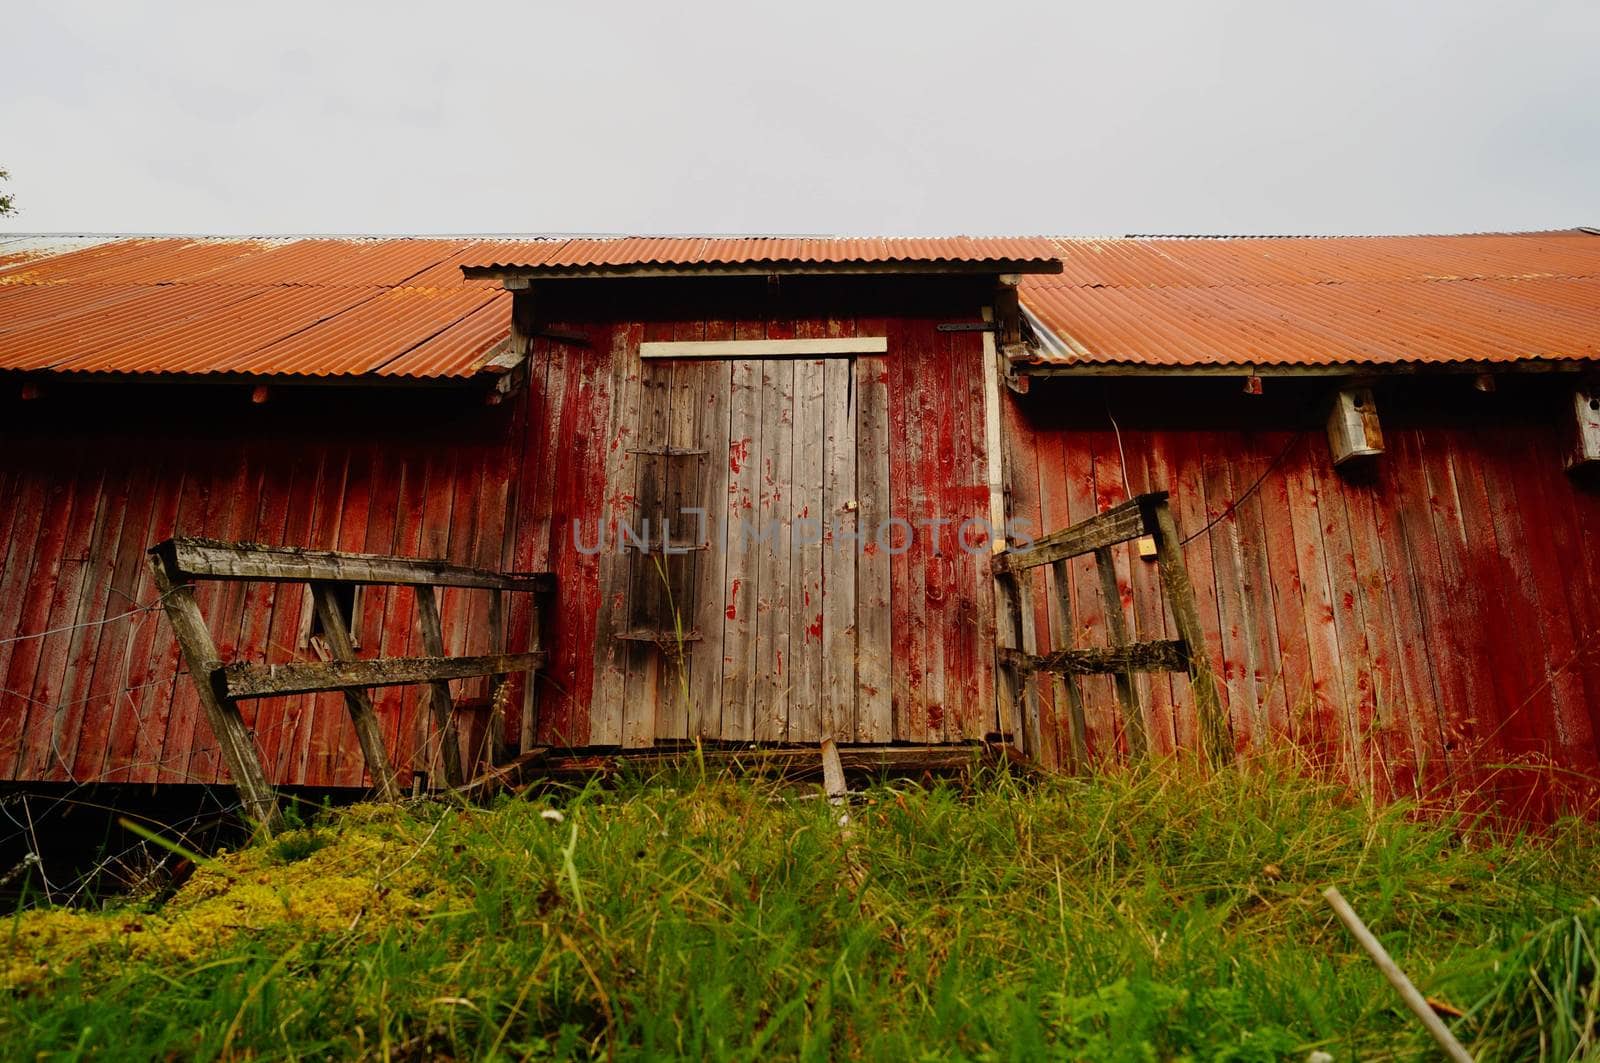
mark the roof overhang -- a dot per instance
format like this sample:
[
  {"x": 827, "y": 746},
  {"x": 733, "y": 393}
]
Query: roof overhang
[{"x": 514, "y": 277}]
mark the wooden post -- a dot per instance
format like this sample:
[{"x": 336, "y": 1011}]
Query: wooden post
[
  {"x": 1414, "y": 1000},
  {"x": 1215, "y": 740},
  {"x": 439, "y": 702},
  {"x": 1117, "y": 629},
  {"x": 233, "y": 738},
  {"x": 530, "y": 688},
  {"x": 358, "y": 701},
  {"x": 497, "y": 709},
  {"x": 1077, "y": 726}
]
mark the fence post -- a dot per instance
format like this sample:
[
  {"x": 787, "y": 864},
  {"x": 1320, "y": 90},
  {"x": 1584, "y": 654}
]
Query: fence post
[
  {"x": 200, "y": 655},
  {"x": 1216, "y": 742}
]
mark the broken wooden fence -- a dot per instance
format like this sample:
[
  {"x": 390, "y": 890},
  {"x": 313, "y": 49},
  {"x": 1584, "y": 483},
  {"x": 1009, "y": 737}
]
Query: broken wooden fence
[
  {"x": 177, "y": 563},
  {"x": 1144, "y": 517}
]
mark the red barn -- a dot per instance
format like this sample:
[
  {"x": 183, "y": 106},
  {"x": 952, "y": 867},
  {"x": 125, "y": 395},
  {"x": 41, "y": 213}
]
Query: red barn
[{"x": 764, "y": 474}]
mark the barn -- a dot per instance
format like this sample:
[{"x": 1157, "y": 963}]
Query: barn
[{"x": 421, "y": 506}]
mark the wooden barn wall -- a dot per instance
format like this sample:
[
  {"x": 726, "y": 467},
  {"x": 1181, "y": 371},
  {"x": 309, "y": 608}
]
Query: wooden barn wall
[
  {"x": 938, "y": 607},
  {"x": 92, "y": 476},
  {"x": 1429, "y": 625}
]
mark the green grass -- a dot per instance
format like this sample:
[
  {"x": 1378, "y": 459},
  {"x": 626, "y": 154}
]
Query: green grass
[{"x": 1132, "y": 916}]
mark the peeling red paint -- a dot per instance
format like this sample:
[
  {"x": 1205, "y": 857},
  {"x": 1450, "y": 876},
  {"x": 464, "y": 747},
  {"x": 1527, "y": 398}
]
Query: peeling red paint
[
  {"x": 738, "y": 454},
  {"x": 814, "y": 631},
  {"x": 733, "y": 601}
]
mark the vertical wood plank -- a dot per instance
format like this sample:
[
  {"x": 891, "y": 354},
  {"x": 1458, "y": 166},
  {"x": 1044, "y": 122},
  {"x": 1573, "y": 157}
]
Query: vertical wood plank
[
  {"x": 807, "y": 521},
  {"x": 874, "y": 653},
  {"x": 1077, "y": 750},
  {"x": 1117, "y": 632},
  {"x": 840, "y": 511},
  {"x": 441, "y": 706},
  {"x": 622, "y": 438},
  {"x": 740, "y": 670},
  {"x": 711, "y": 588},
  {"x": 775, "y": 674},
  {"x": 1238, "y": 665}
]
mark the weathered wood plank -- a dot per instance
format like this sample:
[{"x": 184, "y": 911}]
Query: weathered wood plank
[
  {"x": 808, "y": 519},
  {"x": 368, "y": 731},
  {"x": 440, "y": 703},
  {"x": 803, "y": 347},
  {"x": 1117, "y": 632},
  {"x": 1114, "y": 526},
  {"x": 1237, "y": 664},
  {"x": 705, "y": 661},
  {"x": 1216, "y": 742},
  {"x": 244, "y": 680},
  {"x": 1077, "y": 751},
  {"x": 1168, "y": 655},
  {"x": 840, "y": 551},
  {"x": 200, "y": 653},
  {"x": 874, "y": 654},
  {"x": 612, "y": 655},
  {"x": 196, "y": 558},
  {"x": 739, "y": 672},
  {"x": 774, "y": 672}
]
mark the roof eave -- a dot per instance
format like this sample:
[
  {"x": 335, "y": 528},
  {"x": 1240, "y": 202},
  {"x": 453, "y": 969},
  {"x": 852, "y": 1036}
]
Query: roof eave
[{"x": 513, "y": 277}]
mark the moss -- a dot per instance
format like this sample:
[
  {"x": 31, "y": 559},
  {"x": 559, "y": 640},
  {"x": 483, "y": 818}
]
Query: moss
[{"x": 364, "y": 877}]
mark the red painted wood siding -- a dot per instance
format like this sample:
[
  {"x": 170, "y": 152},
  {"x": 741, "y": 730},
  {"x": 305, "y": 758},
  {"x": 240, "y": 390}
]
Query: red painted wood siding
[
  {"x": 1430, "y": 626},
  {"x": 87, "y": 483}
]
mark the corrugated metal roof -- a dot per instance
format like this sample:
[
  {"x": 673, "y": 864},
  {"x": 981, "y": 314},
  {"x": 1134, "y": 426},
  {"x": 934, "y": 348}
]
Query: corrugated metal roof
[
  {"x": 1170, "y": 302},
  {"x": 689, "y": 251},
  {"x": 399, "y": 307},
  {"x": 314, "y": 307}
]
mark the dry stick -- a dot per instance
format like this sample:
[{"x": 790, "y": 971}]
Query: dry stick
[{"x": 1397, "y": 978}]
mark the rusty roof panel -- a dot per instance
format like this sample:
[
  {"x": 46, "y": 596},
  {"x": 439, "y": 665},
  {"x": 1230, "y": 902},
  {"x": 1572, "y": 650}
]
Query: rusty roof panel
[
  {"x": 58, "y": 341},
  {"x": 1325, "y": 324},
  {"x": 461, "y": 348},
  {"x": 374, "y": 263},
  {"x": 366, "y": 337},
  {"x": 271, "y": 306},
  {"x": 221, "y": 336},
  {"x": 1291, "y": 301},
  {"x": 24, "y": 306}
]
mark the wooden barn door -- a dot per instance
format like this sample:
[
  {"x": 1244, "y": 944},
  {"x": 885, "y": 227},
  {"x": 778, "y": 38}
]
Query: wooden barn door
[{"x": 734, "y": 599}]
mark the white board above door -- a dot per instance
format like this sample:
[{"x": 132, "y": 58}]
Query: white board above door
[{"x": 819, "y": 348}]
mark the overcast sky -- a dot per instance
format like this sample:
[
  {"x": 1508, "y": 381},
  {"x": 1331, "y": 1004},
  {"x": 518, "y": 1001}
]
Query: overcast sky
[{"x": 801, "y": 117}]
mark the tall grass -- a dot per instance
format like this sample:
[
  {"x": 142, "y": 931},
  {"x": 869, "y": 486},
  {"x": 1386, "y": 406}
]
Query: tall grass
[{"x": 1132, "y": 916}]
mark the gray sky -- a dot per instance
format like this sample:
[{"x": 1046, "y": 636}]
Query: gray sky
[{"x": 801, "y": 117}]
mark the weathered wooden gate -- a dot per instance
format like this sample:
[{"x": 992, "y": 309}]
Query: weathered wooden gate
[
  {"x": 176, "y": 564},
  {"x": 1147, "y": 518}
]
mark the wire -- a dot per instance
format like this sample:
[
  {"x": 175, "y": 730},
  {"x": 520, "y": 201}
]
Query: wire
[
  {"x": 1229, "y": 509},
  {"x": 90, "y": 623},
  {"x": 1127, "y": 490}
]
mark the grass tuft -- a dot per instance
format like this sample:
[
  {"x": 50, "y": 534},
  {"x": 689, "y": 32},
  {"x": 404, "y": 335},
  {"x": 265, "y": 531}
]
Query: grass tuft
[{"x": 1155, "y": 914}]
